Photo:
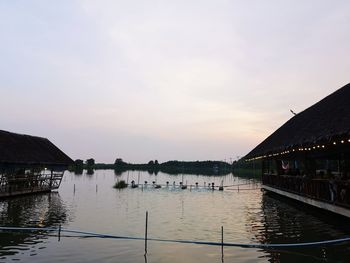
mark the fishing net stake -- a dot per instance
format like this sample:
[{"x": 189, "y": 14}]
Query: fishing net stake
[
  {"x": 59, "y": 233},
  {"x": 146, "y": 229},
  {"x": 222, "y": 243}
]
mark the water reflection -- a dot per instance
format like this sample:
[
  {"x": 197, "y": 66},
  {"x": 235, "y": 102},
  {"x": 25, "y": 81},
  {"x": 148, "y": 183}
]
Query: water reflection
[
  {"x": 90, "y": 171},
  {"x": 284, "y": 221},
  {"x": 248, "y": 216},
  {"x": 40, "y": 210},
  {"x": 118, "y": 172}
]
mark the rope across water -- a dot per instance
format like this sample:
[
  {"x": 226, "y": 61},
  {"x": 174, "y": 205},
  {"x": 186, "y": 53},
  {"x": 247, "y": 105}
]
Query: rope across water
[{"x": 227, "y": 244}]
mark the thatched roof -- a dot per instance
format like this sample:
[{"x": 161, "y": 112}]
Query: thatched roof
[
  {"x": 19, "y": 149},
  {"x": 323, "y": 122}
]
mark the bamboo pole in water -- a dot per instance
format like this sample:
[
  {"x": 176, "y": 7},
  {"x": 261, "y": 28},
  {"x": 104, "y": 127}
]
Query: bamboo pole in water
[
  {"x": 146, "y": 230},
  {"x": 222, "y": 243},
  {"x": 59, "y": 233}
]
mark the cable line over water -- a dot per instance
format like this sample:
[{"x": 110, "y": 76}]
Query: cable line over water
[{"x": 209, "y": 243}]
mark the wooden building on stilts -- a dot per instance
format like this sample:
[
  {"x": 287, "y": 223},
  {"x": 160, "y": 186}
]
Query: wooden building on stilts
[
  {"x": 29, "y": 164},
  {"x": 308, "y": 158}
]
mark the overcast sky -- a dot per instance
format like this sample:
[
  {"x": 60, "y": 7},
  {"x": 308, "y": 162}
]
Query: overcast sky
[{"x": 181, "y": 79}]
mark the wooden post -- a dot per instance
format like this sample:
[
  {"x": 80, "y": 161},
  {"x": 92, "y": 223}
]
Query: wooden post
[
  {"x": 146, "y": 230},
  {"x": 222, "y": 243},
  {"x": 74, "y": 189},
  {"x": 59, "y": 233},
  {"x": 50, "y": 178}
]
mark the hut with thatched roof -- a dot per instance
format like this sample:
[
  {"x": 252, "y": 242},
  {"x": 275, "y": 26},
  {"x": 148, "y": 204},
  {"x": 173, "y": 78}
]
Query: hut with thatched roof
[
  {"x": 29, "y": 164},
  {"x": 308, "y": 157}
]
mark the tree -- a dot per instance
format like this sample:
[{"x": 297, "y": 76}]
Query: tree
[
  {"x": 120, "y": 165},
  {"x": 119, "y": 161},
  {"x": 90, "y": 162},
  {"x": 79, "y": 163}
]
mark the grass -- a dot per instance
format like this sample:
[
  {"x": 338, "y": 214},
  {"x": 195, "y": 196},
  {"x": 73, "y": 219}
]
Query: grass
[{"x": 120, "y": 184}]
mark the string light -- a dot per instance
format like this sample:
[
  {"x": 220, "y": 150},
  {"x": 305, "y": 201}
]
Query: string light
[{"x": 314, "y": 147}]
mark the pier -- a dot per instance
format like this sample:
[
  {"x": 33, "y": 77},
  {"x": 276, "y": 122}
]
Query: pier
[{"x": 29, "y": 164}]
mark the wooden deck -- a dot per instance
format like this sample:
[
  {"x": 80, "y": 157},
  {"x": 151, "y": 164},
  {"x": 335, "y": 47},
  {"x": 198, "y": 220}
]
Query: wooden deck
[
  {"x": 29, "y": 184},
  {"x": 331, "y": 195}
]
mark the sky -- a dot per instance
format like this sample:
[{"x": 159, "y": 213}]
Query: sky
[{"x": 166, "y": 80}]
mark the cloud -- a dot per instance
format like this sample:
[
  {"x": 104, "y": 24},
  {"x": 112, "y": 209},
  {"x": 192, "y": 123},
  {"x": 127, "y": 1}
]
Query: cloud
[{"x": 172, "y": 79}]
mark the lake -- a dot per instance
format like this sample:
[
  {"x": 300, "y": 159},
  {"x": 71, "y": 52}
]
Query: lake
[{"x": 90, "y": 203}]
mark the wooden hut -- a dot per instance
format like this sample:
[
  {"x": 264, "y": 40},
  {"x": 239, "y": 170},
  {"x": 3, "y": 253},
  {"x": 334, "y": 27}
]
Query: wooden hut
[
  {"x": 308, "y": 158},
  {"x": 29, "y": 164}
]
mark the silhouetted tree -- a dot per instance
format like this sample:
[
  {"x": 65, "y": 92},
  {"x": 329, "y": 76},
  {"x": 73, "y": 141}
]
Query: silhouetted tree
[
  {"x": 90, "y": 162},
  {"x": 78, "y": 166},
  {"x": 119, "y": 161},
  {"x": 119, "y": 166},
  {"x": 78, "y": 163}
]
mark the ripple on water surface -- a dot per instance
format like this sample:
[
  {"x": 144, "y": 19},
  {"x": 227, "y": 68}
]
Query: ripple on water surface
[{"x": 247, "y": 215}]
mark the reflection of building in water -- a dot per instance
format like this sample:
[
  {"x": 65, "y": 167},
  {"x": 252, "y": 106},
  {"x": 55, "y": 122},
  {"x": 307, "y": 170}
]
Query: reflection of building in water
[
  {"x": 29, "y": 164},
  {"x": 42, "y": 210},
  {"x": 308, "y": 158},
  {"x": 280, "y": 221}
]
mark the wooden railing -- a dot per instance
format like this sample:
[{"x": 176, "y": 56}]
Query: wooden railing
[
  {"x": 331, "y": 191},
  {"x": 22, "y": 184}
]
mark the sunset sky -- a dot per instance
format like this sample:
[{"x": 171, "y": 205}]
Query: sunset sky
[{"x": 186, "y": 80}]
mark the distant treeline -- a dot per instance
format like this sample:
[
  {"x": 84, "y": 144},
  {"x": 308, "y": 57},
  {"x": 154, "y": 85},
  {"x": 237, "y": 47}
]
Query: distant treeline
[
  {"x": 247, "y": 169},
  {"x": 153, "y": 167}
]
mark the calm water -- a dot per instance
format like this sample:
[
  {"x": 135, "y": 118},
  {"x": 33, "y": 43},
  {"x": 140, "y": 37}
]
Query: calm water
[{"x": 247, "y": 215}]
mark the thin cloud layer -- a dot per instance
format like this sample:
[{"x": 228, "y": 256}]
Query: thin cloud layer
[{"x": 166, "y": 79}]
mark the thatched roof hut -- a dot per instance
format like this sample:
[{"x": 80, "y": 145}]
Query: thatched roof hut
[
  {"x": 28, "y": 151},
  {"x": 317, "y": 129}
]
